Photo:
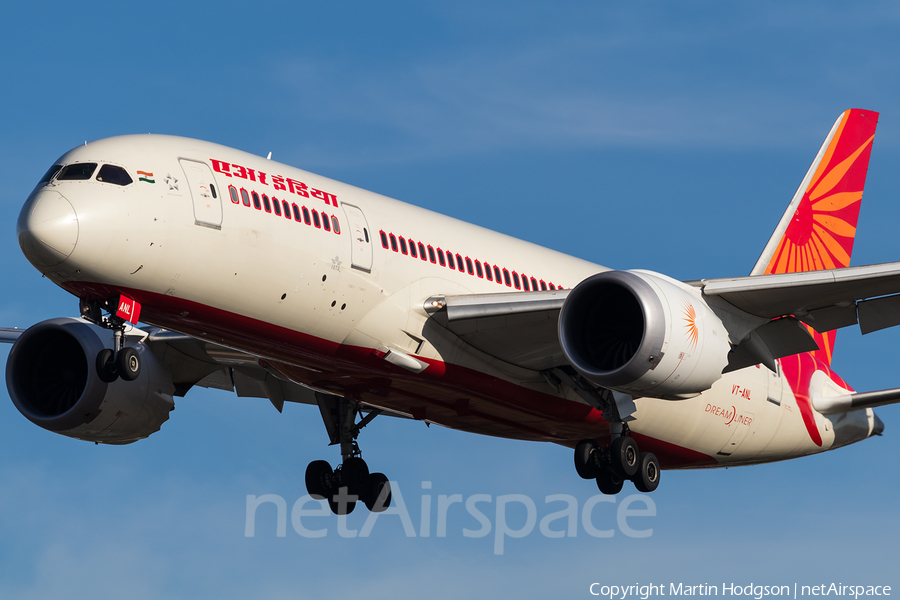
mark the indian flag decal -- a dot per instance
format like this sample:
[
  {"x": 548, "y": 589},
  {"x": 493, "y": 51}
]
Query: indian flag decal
[{"x": 145, "y": 176}]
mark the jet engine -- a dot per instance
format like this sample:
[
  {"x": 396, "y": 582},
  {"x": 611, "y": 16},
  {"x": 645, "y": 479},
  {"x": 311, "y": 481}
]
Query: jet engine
[
  {"x": 53, "y": 380},
  {"x": 643, "y": 334}
]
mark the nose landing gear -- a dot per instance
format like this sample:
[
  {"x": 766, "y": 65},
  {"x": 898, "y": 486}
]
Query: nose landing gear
[
  {"x": 350, "y": 481},
  {"x": 120, "y": 361}
]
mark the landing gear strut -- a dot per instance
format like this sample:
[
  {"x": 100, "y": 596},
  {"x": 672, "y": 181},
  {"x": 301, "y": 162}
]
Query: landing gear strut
[
  {"x": 350, "y": 481},
  {"x": 120, "y": 361}
]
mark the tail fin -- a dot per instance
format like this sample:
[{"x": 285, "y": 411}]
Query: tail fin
[{"x": 819, "y": 225}]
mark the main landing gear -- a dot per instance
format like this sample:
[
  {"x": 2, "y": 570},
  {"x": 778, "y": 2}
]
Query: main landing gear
[
  {"x": 120, "y": 361},
  {"x": 350, "y": 481},
  {"x": 619, "y": 461},
  {"x": 612, "y": 465}
]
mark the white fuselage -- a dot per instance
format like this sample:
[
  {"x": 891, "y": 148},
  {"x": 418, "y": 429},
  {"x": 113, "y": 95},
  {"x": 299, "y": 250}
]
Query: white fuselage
[{"x": 323, "y": 307}]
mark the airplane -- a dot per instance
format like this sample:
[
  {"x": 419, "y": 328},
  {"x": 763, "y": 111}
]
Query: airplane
[{"x": 261, "y": 279}]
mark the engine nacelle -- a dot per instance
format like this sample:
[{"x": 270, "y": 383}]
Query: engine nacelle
[
  {"x": 52, "y": 379},
  {"x": 643, "y": 334}
]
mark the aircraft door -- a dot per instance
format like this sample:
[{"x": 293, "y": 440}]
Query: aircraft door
[
  {"x": 360, "y": 239},
  {"x": 206, "y": 197}
]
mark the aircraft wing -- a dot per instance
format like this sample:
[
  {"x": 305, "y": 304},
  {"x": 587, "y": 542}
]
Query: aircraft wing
[
  {"x": 8, "y": 335},
  {"x": 194, "y": 362},
  {"x": 521, "y": 327},
  {"x": 825, "y": 300}
]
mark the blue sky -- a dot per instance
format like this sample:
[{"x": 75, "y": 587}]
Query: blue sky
[{"x": 646, "y": 135}]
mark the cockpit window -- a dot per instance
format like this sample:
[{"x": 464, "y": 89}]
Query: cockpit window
[
  {"x": 114, "y": 174},
  {"x": 50, "y": 173},
  {"x": 77, "y": 171}
]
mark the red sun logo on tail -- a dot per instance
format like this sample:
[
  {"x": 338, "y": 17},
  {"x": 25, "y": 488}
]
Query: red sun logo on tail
[{"x": 820, "y": 235}]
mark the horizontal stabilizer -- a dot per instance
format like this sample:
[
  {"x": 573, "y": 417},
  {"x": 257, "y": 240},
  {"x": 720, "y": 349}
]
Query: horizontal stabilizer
[{"x": 838, "y": 404}]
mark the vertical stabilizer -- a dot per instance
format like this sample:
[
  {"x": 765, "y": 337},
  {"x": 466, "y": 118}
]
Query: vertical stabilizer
[{"x": 818, "y": 227}]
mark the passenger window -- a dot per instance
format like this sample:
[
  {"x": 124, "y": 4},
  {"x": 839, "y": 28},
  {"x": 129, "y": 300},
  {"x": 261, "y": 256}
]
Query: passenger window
[
  {"x": 384, "y": 243},
  {"x": 77, "y": 172},
  {"x": 487, "y": 271},
  {"x": 306, "y": 218},
  {"x": 287, "y": 209},
  {"x": 245, "y": 197},
  {"x": 506, "y": 278},
  {"x": 337, "y": 226},
  {"x": 469, "y": 266},
  {"x": 256, "y": 203},
  {"x": 266, "y": 203},
  {"x": 552, "y": 287},
  {"x": 431, "y": 255},
  {"x": 50, "y": 173},
  {"x": 412, "y": 249},
  {"x": 516, "y": 280},
  {"x": 497, "y": 274},
  {"x": 212, "y": 188},
  {"x": 534, "y": 284},
  {"x": 459, "y": 263},
  {"x": 402, "y": 245},
  {"x": 441, "y": 258},
  {"x": 450, "y": 260},
  {"x": 393, "y": 242},
  {"x": 543, "y": 286},
  {"x": 296, "y": 212},
  {"x": 478, "y": 269},
  {"x": 316, "y": 219},
  {"x": 325, "y": 222},
  {"x": 525, "y": 283},
  {"x": 276, "y": 204},
  {"x": 232, "y": 191},
  {"x": 422, "y": 252},
  {"x": 115, "y": 175}
]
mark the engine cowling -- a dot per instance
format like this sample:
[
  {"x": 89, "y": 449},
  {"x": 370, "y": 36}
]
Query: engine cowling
[
  {"x": 52, "y": 379},
  {"x": 643, "y": 334}
]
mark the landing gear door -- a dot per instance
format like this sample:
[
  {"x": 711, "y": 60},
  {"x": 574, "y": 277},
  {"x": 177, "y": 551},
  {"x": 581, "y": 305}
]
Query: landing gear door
[
  {"x": 775, "y": 384},
  {"x": 204, "y": 194},
  {"x": 360, "y": 239}
]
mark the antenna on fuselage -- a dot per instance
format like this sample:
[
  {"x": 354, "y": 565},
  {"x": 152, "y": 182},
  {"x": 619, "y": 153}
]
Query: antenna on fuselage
[{"x": 269, "y": 157}]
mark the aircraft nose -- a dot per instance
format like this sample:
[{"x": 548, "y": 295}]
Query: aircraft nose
[{"x": 47, "y": 229}]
